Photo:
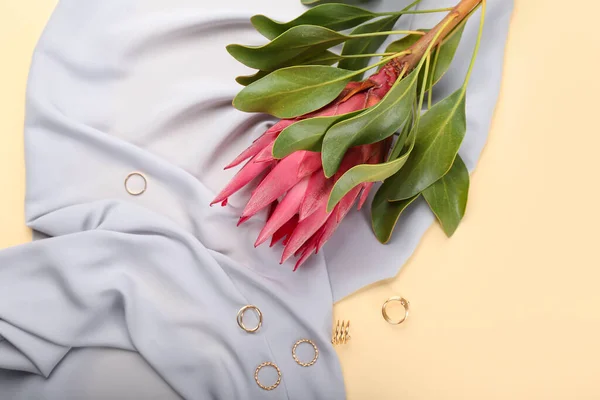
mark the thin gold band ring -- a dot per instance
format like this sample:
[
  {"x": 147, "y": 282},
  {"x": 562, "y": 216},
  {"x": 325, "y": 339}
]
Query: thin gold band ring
[
  {"x": 142, "y": 190},
  {"x": 405, "y": 303},
  {"x": 240, "y": 318}
]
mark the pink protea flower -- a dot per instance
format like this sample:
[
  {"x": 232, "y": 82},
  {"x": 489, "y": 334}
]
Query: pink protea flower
[{"x": 296, "y": 187}]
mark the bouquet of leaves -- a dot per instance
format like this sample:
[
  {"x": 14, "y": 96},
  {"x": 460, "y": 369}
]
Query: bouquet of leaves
[{"x": 339, "y": 134}]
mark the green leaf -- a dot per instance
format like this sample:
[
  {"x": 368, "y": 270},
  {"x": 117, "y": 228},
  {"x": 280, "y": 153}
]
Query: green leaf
[
  {"x": 300, "y": 42},
  {"x": 447, "y": 197},
  {"x": 375, "y": 124},
  {"x": 447, "y": 52},
  {"x": 438, "y": 139},
  {"x": 401, "y": 140},
  {"x": 333, "y": 16},
  {"x": 366, "y": 45},
  {"x": 306, "y": 134},
  {"x": 245, "y": 80},
  {"x": 385, "y": 214},
  {"x": 370, "y": 172},
  {"x": 360, "y": 174},
  {"x": 293, "y": 91},
  {"x": 324, "y": 58}
]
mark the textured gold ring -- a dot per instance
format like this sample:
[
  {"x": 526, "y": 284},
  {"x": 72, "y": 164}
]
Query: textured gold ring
[
  {"x": 314, "y": 360},
  {"x": 405, "y": 303},
  {"x": 240, "y": 318},
  {"x": 261, "y": 366},
  {"x": 142, "y": 190},
  {"x": 341, "y": 333}
]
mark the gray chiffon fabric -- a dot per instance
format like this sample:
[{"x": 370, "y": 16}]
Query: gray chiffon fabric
[{"x": 136, "y": 297}]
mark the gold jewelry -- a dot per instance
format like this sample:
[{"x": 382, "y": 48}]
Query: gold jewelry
[
  {"x": 405, "y": 303},
  {"x": 341, "y": 334},
  {"x": 261, "y": 366},
  {"x": 142, "y": 190},
  {"x": 314, "y": 360},
  {"x": 240, "y": 318}
]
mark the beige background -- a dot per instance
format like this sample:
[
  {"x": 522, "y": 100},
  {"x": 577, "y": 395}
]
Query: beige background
[{"x": 509, "y": 308}]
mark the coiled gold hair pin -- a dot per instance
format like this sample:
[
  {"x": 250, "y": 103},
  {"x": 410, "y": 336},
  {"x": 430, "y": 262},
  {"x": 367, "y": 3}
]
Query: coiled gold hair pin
[{"x": 341, "y": 334}]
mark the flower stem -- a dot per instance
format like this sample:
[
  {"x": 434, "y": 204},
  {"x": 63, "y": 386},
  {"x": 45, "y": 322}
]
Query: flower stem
[
  {"x": 464, "y": 21},
  {"x": 461, "y": 11}
]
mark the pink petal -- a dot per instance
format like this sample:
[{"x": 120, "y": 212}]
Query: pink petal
[
  {"x": 302, "y": 259},
  {"x": 345, "y": 204},
  {"x": 352, "y": 157},
  {"x": 326, "y": 111},
  {"x": 265, "y": 156},
  {"x": 350, "y": 87},
  {"x": 332, "y": 108},
  {"x": 339, "y": 212},
  {"x": 269, "y": 136},
  {"x": 287, "y": 173},
  {"x": 328, "y": 229},
  {"x": 316, "y": 194},
  {"x": 301, "y": 249},
  {"x": 372, "y": 99},
  {"x": 285, "y": 231},
  {"x": 311, "y": 162},
  {"x": 307, "y": 252},
  {"x": 272, "y": 209},
  {"x": 244, "y": 176},
  {"x": 304, "y": 231},
  {"x": 384, "y": 79},
  {"x": 354, "y": 103},
  {"x": 361, "y": 87},
  {"x": 365, "y": 193},
  {"x": 242, "y": 220},
  {"x": 284, "y": 211}
]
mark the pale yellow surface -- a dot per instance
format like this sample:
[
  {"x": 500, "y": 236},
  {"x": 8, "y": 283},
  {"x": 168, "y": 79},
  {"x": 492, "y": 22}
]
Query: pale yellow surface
[{"x": 509, "y": 308}]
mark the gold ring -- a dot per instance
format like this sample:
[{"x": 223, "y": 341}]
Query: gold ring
[
  {"x": 240, "y": 318},
  {"x": 142, "y": 190},
  {"x": 314, "y": 360},
  {"x": 341, "y": 334},
  {"x": 405, "y": 303},
  {"x": 261, "y": 366}
]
